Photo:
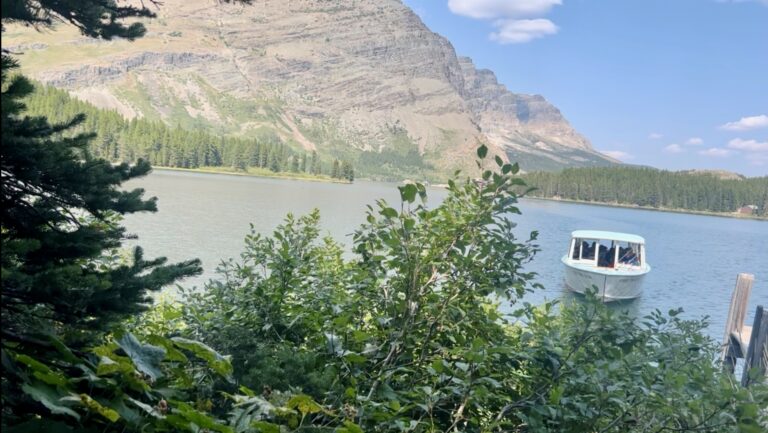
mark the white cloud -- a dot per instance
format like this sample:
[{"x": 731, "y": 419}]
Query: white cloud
[
  {"x": 694, "y": 141},
  {"x": 748, "y": 145},
  {"x": 492, "y": 9},
  {"x": 618, "y": 154},
  {"x": 715, "y": 152},
  {"x": 747, "y": 123},
  {"x": 674, "y": 148},
  {"x": 516, "y": 21},
  {"x": 522, "y": 31},
  {"x": 655, "y": 136}
]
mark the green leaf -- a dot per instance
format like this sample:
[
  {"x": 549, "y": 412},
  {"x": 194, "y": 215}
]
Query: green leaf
[
  {"x": 109, "y": 366},
  {"x": 146, "y": 357},
  {"x": 95, "y": 406},
  {"x": 355, "y": 358},
  {"x": 482, "y": 151},
  {"x": 352, "y": 427},
  {"x": 408, "y": 192},
  {"x": 499, "y": 161},
  {"x": 172, "y": 354},
  {"x": 198, "y": 418},
  {"x": 304, "y": 404},
  {"x": 388, "y": 212},
  {"x": 147, "y": 408},
  {"x": 220, "y": 364},
  {"x": 49, "y": 398},
  {"x": 265, "y": 427},
  {"x": 65, "y": 352},
  {"x": 41, "y": 371}
]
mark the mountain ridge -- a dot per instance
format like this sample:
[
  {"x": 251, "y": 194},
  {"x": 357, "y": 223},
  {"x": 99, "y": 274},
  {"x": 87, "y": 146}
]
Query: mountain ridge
[{"x": 365, "y": 80}]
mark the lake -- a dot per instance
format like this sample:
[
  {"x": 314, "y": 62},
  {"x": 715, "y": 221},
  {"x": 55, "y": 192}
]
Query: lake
[{"x": 695, "y": 258}]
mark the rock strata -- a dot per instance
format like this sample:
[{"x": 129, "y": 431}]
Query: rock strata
[{"x": 352, "y": 76}]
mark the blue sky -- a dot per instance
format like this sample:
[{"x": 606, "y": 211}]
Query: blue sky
[{"x": 674, "y": 84}]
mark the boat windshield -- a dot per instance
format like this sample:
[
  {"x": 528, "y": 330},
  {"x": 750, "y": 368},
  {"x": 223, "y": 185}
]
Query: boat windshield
[{"x": 606, "y": 254}]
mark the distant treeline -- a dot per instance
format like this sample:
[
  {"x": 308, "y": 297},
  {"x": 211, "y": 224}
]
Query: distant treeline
[
  {"x": 128, "y": 140},
  {"x": 653, "y": 188}
]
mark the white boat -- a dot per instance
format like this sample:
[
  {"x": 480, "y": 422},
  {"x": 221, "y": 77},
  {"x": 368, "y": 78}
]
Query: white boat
[{"x": 613, "y": 262}]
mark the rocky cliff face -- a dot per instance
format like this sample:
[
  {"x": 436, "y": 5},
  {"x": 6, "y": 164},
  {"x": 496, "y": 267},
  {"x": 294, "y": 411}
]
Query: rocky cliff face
[{"x": 351, "y": 78}]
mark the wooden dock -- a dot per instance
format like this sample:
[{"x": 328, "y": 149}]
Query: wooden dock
[{"x": 742, "y": 341}]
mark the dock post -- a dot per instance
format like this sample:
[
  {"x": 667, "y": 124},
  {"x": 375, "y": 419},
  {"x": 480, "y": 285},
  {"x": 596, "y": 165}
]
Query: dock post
[
  {"x": 757, "y": 354},
  {"x": 733, "y": 326}
]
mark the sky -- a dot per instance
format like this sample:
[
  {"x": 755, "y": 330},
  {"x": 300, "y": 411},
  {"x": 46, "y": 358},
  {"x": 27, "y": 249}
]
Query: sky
[{"x": 674, "y": 84}]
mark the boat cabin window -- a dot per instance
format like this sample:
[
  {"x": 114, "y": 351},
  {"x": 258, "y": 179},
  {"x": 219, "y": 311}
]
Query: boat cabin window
[
  {"x": 584, "y": 249},
  {"x": 606, "y": 254},
  {"x": 630, "y": 254}
]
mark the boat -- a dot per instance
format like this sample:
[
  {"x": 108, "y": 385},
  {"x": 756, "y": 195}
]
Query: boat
[{"x": 614, "y": 263}]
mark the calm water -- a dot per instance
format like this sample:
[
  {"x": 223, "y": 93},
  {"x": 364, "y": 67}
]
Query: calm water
[{"x": 695, "y": 259}]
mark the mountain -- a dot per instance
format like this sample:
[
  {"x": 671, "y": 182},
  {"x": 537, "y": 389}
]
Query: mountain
[{"x": 364, "y": 80}]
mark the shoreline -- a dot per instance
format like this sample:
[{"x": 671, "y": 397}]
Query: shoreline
[
  {"x": 309, "y": 178},
  {"x": 263, "y": 174},
  {"x": 657, "y": 209}
]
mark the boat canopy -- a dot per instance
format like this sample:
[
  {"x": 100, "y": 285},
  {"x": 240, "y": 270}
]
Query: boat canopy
[{"x": 611, "y": 236}]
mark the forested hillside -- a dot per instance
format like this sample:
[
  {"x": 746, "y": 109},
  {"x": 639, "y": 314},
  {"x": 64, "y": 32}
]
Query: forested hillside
[
  {"x": 121, "y": 140},
  {"x": 653, "y": 188}
]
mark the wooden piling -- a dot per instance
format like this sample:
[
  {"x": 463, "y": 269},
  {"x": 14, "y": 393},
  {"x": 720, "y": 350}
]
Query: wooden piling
[
  {"x": 757, "y": 355},
  {"x": 737, "y": 336}
]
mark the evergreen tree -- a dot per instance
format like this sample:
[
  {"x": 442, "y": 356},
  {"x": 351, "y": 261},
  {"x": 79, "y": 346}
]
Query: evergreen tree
[
  {"x": 94, "y": 18},
  {"x": 60, "y": 213},
  {"x": 335, "y": 169},
  {"x": 274, "y": 162},
  {"x": 651, "y": 187},
  {"x": 347, "y": 172},
  {"x": 123, "y": 140},
  {"x": 314, "y": 166}
]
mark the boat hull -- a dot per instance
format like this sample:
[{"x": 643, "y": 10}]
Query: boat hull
[{"x": 611, "y": 285}]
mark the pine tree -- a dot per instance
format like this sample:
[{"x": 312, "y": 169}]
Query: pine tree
[
  {"x": 335, "y": 169},
  {"x": 63, "y": 281},
  {"x": 347, "y": 172},
  {"x": 60, "y": 214},
  {"x": 315, "y": 164},
  {"x": 94, "y": 18},
  {"x": 274, "y": 162}
]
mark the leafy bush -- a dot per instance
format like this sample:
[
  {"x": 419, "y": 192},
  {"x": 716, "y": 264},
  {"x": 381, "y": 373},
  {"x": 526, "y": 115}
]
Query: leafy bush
[
  {"x": 407, "y": 336},
  {"x": 123, "y": 385}
]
